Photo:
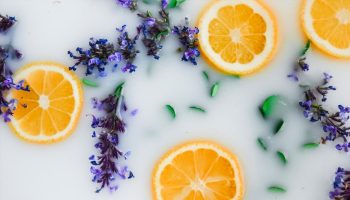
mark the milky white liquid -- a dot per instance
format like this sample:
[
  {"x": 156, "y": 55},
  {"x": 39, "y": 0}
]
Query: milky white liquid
[{"x": 48, "y": 28}]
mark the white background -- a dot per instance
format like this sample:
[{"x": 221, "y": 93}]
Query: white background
[{"x": 46, "y": 29}]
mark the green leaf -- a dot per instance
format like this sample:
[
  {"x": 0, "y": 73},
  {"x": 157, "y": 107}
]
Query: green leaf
[
  {"x": 175, "y": 3},
  {"x": 276, "y": 189},
  {"x": 198, "y": 109},
  {"x": 262, "y": 143},
  {"x": 149, "y": 14},
  {"x": 214, "y": 89},
  {"x": 119, "y": 89},
  {"x": 235, "y": 76},
  {"x": 163, "y": 33},
  {"x": 306, "y": 48},
  {"x": 89, "y": 83},
  {"x": 147, "y": 1},
  {"x": 179, "y": 2},
  {"x": 281, "y": 155},
  {"x": 206, "y": 76},
  {"x": 278, "y": 126},
  {"x": 269, "y": 105},
  {"x": 310, "y": 145},
  {"x": 172, "y": 3},
  {"x": 171, "y": 110}
]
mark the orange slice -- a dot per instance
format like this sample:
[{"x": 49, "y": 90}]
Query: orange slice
[
  {"x": 198, "y": 171},
  {"x": 49, "y": 112},
  {"x": 327, "y": 24},
  {"x": 237, "y": 36}
]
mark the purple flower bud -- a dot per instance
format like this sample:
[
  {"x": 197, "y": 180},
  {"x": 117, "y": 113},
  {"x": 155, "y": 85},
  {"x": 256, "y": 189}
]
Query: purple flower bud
[
  {"x": 150, "y": 21},
  {"x": 116, "y": 57},
  {"x": 164, "y": 4},
  {"x": 94, "y": 61},
  {"x": 129, "y": 68},
  {"x": 327, "y": 77},
  {"x": 134, "y": 112},
  {"x": 95, "y": 122}
]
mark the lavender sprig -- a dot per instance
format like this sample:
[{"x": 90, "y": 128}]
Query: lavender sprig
[
  {"x": 188, "y": 38},
  {"x": 154, "y": 31},
  {"x": 102, "y": 52},
  {"x": 94, "y": 58},
  {"x": 333, "y": 123},
  {"x": 130, "y": 4},
  {"x": 6, "y": 22},
  {"x": 7, "y": 106},
  {"x": 341, "y": 185},
  {"x": 105, "y": 167},
  {"x": 301, "y": 65},
  {"x": 127, "y": 49}
]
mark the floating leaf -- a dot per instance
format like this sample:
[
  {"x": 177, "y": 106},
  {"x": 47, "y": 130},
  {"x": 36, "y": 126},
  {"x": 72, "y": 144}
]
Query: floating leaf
[
  {"x": 147, "y": 1},
  {"x": 214, "y": 89},
  {"x": 163, "y": 33},
  {"x": 269, "y": 104},
  {"x": 276, "y": 189},
  {"x": 206, "y": 76},
  {"x": 310, "y": 145},
  {"x": 306, "y": 48},
  {"x": 198, "y": 109},
  {"x": 149, "y": 14},
  {"x": 175, "y": 3},
  {"x": 262, "y": 143},
  {"x": 235, "y": 76},
  {"x": 89, "y": 83},
  {"x": 278, "y": 126},
  {"x": 119, "y": 89},
  {"x": 281, "y": 155},
  {"x": 171, "y": 110}
]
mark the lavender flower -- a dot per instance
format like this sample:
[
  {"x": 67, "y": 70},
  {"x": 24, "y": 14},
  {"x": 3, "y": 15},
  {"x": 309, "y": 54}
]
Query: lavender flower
[
  {"x": 341, "y": 185},
  {"x": 333, "y": 123},
  {"x": 301, "y": 63},
  {"x": 154, "y": 31},
  {"x": 105, "y": 167},
  {"x": 127, "y": 49},
  {"x": 102, "y": 53},
  {"x": 94, "y": 58},
  {"x": 6, "y": 22},
  {"x": 164, "y": 4},
  {"x": 188, "y": 39},
  {"x": 131, "y": 4},
  {"x": 7, "y": 106}
]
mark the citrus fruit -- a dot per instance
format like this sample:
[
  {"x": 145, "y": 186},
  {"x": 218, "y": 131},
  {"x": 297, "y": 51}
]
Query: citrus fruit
[
  {"x": 49, "y": 112},
  {"x": 237, "y": 36},
  {"x": 199, "y": 170},
  {"x": 327, "y": 24}
]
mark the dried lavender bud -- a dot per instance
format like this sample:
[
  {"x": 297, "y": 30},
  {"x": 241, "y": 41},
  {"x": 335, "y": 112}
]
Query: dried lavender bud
[
  {"x": 102, "y": 53},
  {"x": 6, "y": 22},
  {"x": 154, "y": 31},
  {"x": 130, "y": 4},
  {"x": 301, "y": 65},
  {"x": 7, "y": 106},
  {"x": 188, "y": 38},
  {"x": 105, "y": 167},
  {"x": 127, "y": 49},
  {"x": 94, "y": 58},
  {"x": 341, "y": 185},
  {"x": 334, "y": 124}
]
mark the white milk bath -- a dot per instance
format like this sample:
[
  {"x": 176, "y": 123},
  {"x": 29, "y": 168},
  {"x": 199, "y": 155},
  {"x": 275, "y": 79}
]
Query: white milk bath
[{"x": 48, "y": 28}]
